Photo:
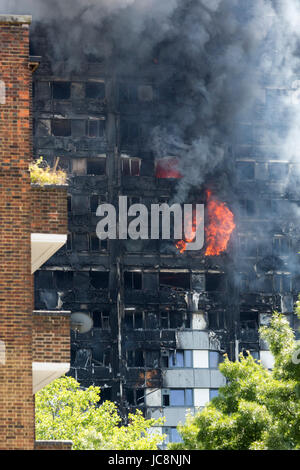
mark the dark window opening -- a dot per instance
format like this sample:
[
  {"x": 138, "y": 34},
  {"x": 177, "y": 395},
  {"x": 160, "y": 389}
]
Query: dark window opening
[
  {"x": 95, "y": 90},
  {"x": 215, "y": 282},
  {"x": 96, "y": 167},
  {"x": 248, "y": 206},
  {"x": 278, "y": 171},
  {"x": 94, "y": 243},
  {"x": 61, "y": 127},
  {"x": 61, "y": 90},
  {"x": 135, "y": 397},
  {"x": 94, "y": 203},
  {"x": 95, "y": 128},
  {"x": 101, "y": 320},
  {"x": 80, "y": 241},
  {"x": 131, "y": 166},
  {"x": 181, "y": 280},
  {"x": 64, "y": 279},
  {"x": 133, "y": 280},
  {"x": 134, "y": 320},
  {"x": 135, "y": 359},
  {"x": 99, "y": 280},
  {"x": 217, "y": 320}
]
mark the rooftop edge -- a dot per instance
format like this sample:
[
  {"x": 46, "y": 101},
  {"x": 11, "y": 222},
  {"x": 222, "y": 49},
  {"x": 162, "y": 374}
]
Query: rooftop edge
[{"x": 16, "y": 19}]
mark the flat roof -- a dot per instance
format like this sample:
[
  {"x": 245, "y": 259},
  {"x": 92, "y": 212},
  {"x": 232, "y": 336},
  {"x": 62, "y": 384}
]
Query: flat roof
[{"x": 16, "y": 19}]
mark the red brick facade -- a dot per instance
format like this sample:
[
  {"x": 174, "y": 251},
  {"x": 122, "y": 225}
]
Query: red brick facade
[
  {"x": 16, "y": 300},
  {"x": 24, "y": 337},
  {"x": 49, "y": 208},
  {"x": 53, "y": 445},
  {"x": 51, "y": 337}
]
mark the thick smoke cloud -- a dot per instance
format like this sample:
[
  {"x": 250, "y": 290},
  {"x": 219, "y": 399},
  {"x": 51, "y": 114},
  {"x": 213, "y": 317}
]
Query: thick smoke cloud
[{"x": 221, "y": 54}]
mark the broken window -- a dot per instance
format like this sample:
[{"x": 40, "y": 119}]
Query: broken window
[
  {"x": 64, "y": 279},
  {"x": 135, "y": 358},
  {"x": 215, "y": 282},
  {"x": 61, "y": 127},
  {"x": 170, "y": 279},
  {"x": 96, "y": 167},
  {"x": 44, "y": 279},
  {"x": 133, "y": 280},
  {"x": 130, "y": 166},
  {"x": 83, "y": 358},
  {"x": 246, "y": 170},
  {"x": 173, "y": 319},
  {"x": 101, "y": 320},
  {"x": 280, "y": 246},
  {"x": 249, "y": 320},
  {"x": 95, "y": 90},
  {"x": 282, "y": 283},
  {"x": 134, "y": 320},
  {"x": 61, "y": 90},
  {"x": 167, "y": 167},
  {"x": 96, "y": 244},
  {"x": 135, "y": 396},
  {"x": 80, "y": 241},
  {"x": 217, "y": 320},
  {"x": 78, "y": 127},
  {"x": 181, "y": 358},
  {"x": 248, "y": 207},
  {"x": 178, "y": 397},
  {"x": 99, "y": 279}
]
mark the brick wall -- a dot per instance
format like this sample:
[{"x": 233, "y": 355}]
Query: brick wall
[
  {"x": 51, "y": 336},
  {"x": 49, "y": 209},
  {"x": 16, "y": 283},
  {"x": 53, "y": 445}
]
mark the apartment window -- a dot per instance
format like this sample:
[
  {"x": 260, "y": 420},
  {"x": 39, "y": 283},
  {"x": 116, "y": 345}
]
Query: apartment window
[
  {"x": 246, "y": 170},
  {"x": 135, "y": 397},
  {"x": 214, "y": 359},
  {"x": 80, "y": 241},
  {"x": 100, "y": 358},
  {"x": 95, "y": 90},
  {"x": 280, "y": 246},
  {"x": 95, "y": 128},
  {"x": 133, "y": 280},
  {"x": 213, "y": 393},
  {"x": 217, "y": 320},
  {"x": 183, "y": 358},
  {"x": 278, "y": 171},
  {"x": 94, "y": 202},
  {"x": 178, "y": 397},
  {"x": 174, "y": 435},
  {"x": 170, "y": 279},
  {"x": 61, "y": 90},
  {"x": 249, "y": 320},
  {"x": 134, "y": 320},
  {"x": 173, "y": 319},
  {"x": 99, "y": 280},
  {"x": 78, "y": 127},
  {"x": 96, "y": 167},
  {"x": 130, "y": 166},
  {"x": 167, "y": 167},
  {"x": 64, "y": 279},
  {"x": 248, "y": 207},
  {"x": 282, "y": 283},
  {"x": 215, "y": 282},
  {"x": 96, "y": 244},
  {"x": 135, "y": 359},
  {"x": 61, "y": 127},
  {"x": 101, "y": 320}
]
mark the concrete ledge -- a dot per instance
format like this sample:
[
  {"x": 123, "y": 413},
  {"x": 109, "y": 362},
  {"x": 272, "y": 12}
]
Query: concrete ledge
[
  {"x": 53, "y": 445},
  {"x": 16, "y": 19}
]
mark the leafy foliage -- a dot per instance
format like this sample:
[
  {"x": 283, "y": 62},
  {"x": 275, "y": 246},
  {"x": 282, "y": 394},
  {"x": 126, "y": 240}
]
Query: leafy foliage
[
  {"x": 257, "y": 408},
  {"x": 41, "y": 173},
  {"x": 64, "y": 411}
]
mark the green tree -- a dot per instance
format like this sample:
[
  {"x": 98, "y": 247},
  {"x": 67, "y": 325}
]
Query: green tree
[
  {"x": 65, "y": 411},
  {"x": 257, "y": 408}
]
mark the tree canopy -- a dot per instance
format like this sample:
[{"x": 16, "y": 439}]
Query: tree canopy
[
  {"x": 65, "y": 411},
  {"x": 257, "y": 409}
]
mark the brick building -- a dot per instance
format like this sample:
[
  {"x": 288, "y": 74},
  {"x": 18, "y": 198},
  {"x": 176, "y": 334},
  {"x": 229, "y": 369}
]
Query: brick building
[{"x": 34, "y": 345}]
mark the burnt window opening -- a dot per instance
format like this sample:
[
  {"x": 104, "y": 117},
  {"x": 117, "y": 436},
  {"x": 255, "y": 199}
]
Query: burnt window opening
[
  {"x": 95, "y": 128},
  {"x": 133, "y": 280},
  {"x": 215, "y": 282},
  {"x": 246, "y": 170},
  {"x": 69, "y": 243},
  {"x": 94, "y": 202},
  {"x": 282, "y": 283},
  {"x": 96, "y": 167},
  {"x": 281, "y": 246},
  {"x": 96, "y": 244},
  {"x": 178, "y": 397},
  {"x": 80, "y": 241},
  {"x": 61, "y": 127},
  {"x": 61, "y": 90},
  {"x": 248, "y": 207},
  {"x": 135, "y": 396},
  {"x": 130, "y": 166},
  {"x": 134, "y": 320},
  {"x": 278, "y": 171},
  {"x": 249, "y": 320},
  {"x": 106, "y": 394},
  {"x": 101, "y": 320},
  {"x": 135, "y": 358},
  {"x": 100, "y": 358},
  {"x": 64, "y": 279},
  {"x": 180, "y": 280},
  {"x": 44, "y": 280},
  {"x": 167, "y": 167},
  {"x": 180, "y": 359},
  {"x": 83, "y": 358},
  {"x": 173, "y": 319},
  {"x": 78, "y": 127},
  {"x": 99, "y": 280},
  {"x": 217, "y": 320},
  {"x": 130, "y": 132},
  {"x": 95, "y": 90}
]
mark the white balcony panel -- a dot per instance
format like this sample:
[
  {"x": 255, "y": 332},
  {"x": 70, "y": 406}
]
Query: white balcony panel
[
  {"x": 45, "y": 372},
  {"x": 43, "y": 246}
]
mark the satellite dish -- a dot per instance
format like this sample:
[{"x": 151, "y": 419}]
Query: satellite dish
[{"x": 81, "y": 322}]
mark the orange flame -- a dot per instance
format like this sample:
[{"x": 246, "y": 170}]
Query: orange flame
[
  {"x": 220, "y": 226},
  {"x": 167, "y": 168},
  {"x": 218, "y": 231}
]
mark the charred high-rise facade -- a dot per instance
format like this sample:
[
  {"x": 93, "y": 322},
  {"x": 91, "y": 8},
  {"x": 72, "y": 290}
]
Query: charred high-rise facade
[{"x": 187, "y": 104}]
